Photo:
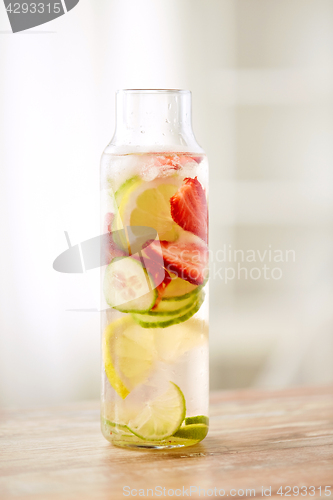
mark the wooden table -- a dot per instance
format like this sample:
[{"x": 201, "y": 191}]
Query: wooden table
[{"x": 257, "y": 439}]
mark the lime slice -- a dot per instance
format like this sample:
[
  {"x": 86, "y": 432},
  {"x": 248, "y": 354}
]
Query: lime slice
[
  {"x": 130, "y": 185},
  {"x": 128, "y": 355},
  {"x": 196, "y": 432},
  {"x": 160, "y": 418},
  {"x": 118, "y": 413},
  {"x": 116, "y": 428},
  {"x": 178, "y": 339},
  {"x": 115, "y": 416},
  {"x": 147, "y": 204}
]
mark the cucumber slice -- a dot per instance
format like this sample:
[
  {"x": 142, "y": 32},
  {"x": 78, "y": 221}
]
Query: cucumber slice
[
  {"x": 163, "y": 321},
  {"x": 172, "y": 307},
  {"x": 126, "y": 286}
]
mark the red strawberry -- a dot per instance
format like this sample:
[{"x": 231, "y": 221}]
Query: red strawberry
[
  {"x": 198, "y": 159},
  {"x": 157, "y": 272},
  {"x": 161, "y": 288},
  {"x": 187, "y": 260},
  {"x": 189, "y": 208}
]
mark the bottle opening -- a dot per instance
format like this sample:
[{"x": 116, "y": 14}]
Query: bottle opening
[
  {"x": 154, "y": 91},
  {"x": 154, "y": 120}
]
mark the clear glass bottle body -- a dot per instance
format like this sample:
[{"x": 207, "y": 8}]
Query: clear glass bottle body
[{"x": 154, "y": 186}]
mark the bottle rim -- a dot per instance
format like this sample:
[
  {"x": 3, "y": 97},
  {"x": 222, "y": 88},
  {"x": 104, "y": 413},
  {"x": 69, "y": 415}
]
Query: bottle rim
[{"x": 153, "y": 91}]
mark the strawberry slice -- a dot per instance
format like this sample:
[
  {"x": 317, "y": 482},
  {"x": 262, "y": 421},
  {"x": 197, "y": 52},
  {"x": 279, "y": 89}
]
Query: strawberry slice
[
  {"x": 161, "y": 288},
  {"x": 198, "y": 159},
  {"x": 189, "y": 208},
  {"x": 187, "y": 260},
  {"x": 159, "y": 275}
]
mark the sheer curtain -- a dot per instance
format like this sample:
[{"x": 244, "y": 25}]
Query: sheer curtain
[
  {"x": 57, "y": 91},
  {"x": 261, "y": 78}
]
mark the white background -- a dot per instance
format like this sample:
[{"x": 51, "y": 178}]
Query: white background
[{"x": 261, "y": 74}]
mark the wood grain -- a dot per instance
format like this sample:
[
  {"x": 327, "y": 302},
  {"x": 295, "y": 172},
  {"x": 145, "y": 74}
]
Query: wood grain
[{"x": 257, "y": 439}]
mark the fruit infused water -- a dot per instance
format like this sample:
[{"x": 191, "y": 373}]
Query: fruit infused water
[{"x": 155, "y": 297}]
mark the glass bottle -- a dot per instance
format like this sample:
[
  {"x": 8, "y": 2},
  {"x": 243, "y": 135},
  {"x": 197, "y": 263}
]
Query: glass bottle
[{"x": 154, "y": 181}]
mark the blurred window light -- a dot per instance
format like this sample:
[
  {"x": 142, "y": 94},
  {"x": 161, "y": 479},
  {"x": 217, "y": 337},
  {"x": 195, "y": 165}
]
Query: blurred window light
[{"x": 262, "y": 86}]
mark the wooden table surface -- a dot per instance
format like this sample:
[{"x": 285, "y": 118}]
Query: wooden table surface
[{"x": 257, "y": 439}]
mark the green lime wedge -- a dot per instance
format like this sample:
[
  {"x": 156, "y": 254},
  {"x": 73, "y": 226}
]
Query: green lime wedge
[
  {"x": 196, "y": 432},
  {"x": 199, "y": 419}
]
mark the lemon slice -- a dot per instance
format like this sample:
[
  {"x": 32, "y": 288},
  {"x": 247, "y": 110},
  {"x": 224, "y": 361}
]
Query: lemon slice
[
  {"x": 178, "y": 339},
  {"x": 147, "y": 204},
  {"x": 179, "y": 289},
  {"x": 128, "y": 355},
  {"x": 160, "y": 418}
]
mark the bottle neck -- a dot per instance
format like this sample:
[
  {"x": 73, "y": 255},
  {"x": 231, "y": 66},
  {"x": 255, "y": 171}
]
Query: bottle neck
[{"x": 155, "y": 120}]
